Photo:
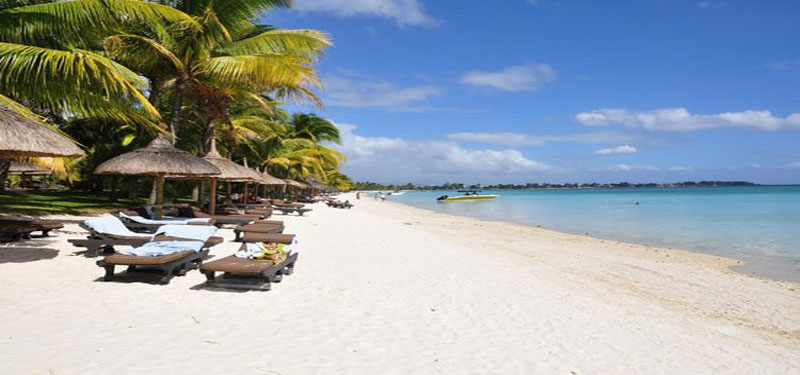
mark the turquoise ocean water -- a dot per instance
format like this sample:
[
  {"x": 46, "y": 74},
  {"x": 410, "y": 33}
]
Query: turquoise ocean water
[{"x": 757, "y": 224}]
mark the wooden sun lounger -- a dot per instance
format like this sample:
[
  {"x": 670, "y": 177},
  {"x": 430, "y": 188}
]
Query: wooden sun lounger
[
  {"x": 276, "y": 227},
  {"x": 22, "y": 224},
  {"x": 288, "y": 210},
  {"x": 169, "y": 265},
  {"x": 96, "y": 242},
  {"x": 151, "y": 228},
  {"x": 16, "y": 232},
  {"x": 249, "y": 274}
]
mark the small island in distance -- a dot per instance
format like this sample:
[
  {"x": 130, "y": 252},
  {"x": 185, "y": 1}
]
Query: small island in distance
[{"x": 533, "y": 185}]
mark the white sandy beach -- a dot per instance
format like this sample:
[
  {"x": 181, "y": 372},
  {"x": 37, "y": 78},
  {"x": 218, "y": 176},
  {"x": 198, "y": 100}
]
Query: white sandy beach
[{"x": 388, "y": 289}]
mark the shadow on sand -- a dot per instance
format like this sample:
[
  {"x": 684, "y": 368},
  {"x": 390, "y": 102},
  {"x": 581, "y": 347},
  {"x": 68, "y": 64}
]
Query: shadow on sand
[{"x": 26, "y": 254}]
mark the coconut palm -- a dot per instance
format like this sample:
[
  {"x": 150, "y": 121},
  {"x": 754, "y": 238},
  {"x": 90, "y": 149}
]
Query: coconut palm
[
  {"x": 50, "y": 60},
  {"x": 219, "y": 56},
  {"x": 314, "y": 128}
]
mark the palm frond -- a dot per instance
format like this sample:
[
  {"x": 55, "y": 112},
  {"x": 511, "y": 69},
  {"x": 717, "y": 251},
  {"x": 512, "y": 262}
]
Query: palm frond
[
  {"x": 309, "y": 42},
  {"x": 80, "y": 20},
  {"x": 70, "y": 81}
]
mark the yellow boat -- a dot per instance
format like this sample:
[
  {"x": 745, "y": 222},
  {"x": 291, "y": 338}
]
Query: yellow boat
[{"x": 470, "y": 195}]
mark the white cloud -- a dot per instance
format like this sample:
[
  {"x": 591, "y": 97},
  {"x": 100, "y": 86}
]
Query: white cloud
[
  {"x": 681, "y": 120},
  {"x": 793, "y": 165},
  {"x": 398, "y": 159},
  {"x": 404, "y": 12},
  {"x": 785, "y": 66},
  {"x": 616, "y": 150},
  {"x": 530, "y": 77},
  {"x": 629, "y": 168},
  {"x": 681, "y": 168},
  {"x": 519, "y": 139},
  {"x": 344, "y": 92},
  {"x": 709, "y": 4}
]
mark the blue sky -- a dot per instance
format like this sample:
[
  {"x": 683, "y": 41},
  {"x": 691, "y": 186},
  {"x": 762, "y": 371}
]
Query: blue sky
[{"x": 560, "y": 91}]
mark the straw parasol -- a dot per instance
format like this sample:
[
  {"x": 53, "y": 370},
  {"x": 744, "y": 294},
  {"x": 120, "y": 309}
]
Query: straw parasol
[
  {"x": 296, "y": 184},
  {"x": 24, "y": 137},
  {"x": 230, "y": 172},
  {"x": 316, "y": 185},
  {"x": 159, "y": 159},
  {"x": 268, "y": 179},
  {"x": 27, "y": 169}
]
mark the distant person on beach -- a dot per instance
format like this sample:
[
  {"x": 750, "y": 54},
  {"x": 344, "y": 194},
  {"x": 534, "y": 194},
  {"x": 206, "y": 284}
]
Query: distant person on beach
[
  {"x": 383, "y": 197},
  {"x": 358, "y": 195}
]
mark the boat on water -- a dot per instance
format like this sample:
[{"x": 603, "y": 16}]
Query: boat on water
[{"x": 469, "y": 195}]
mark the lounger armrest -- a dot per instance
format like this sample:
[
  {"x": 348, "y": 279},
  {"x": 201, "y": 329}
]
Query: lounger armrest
[{"x": 267, "y": 237}]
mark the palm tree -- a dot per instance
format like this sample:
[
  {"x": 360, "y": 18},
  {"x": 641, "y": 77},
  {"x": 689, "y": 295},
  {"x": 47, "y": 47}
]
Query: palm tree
[
  {"x": 218, "y": 56},
  {"x": 314, "y": 128},
  {"x": 50, "y": 60}
]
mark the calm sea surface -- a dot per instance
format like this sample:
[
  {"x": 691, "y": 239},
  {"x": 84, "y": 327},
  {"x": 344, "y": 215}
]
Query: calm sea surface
[{"x": 759, "y": 224}]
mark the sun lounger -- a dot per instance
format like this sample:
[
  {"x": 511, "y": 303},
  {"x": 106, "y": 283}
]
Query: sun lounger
[
  {"x": 243, "y": 273},
  {"x": 176, "y": 263},
  {"x": 15, "y": 232},
  {"x": 107, "y": 232},
  {"x": 175, "y": 250},
  {"x": 21, "y": 224},
  {"x": 194, "y": 212},
  {"x": 262, "y": 226},
  {"x": 339, "y": 204},
  {"x": 285, "y": 210},
  {"x": 143, "y": 224}
]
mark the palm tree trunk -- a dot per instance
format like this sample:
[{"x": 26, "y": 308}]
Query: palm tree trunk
[
  {"x": 175, "y": 117},
  {"x": 153, "y": 194},
  {"x": 209, "y": 134},
  {"x": 114, "y": 183},
  {"x": 4, "y": 166}
]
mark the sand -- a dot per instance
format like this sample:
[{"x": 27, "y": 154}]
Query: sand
[{"x": 389, "y": 289}]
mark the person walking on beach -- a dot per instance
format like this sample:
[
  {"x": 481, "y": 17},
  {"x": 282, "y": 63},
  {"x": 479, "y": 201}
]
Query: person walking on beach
[
  {"x": 358, "y": 195},
  {"x": 383, "y": 197}
]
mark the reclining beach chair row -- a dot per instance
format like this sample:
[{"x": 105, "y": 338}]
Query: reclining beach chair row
[
  {"x": 338, "y": 204},
  {"x": 175, "y": 249},
  {"x": 108, "y": 231},
  {"x": 172, "y": 256}
]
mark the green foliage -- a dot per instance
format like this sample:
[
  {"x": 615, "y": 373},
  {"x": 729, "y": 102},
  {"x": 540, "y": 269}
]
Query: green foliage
[{"x": 107, "y": 72}]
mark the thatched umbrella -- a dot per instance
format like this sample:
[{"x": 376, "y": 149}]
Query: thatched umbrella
[
  {"x": 22, "y": 137},
  {"x": 27, "y": 169},
  {"x": 230, "y": 172},
  {"x": 159, "y": 159},
  {"x": 269, "y": 180},
  {"x": 316, "y": 185}
]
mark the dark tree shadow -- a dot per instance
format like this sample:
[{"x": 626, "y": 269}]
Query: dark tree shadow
[{"x": 26, "y": 254}]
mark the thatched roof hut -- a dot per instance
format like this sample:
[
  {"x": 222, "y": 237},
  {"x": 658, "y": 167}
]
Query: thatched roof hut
[
  {"x": 28, "y": 169},
  {"x": 268, "y": 179},
  {"x": 159, "y": 158},
  {"x": 23, "y": 137},
  {"x": 316, "y": 185},
  {"x": 295, "y": 184},
  {"x": 230, "y": 171}
]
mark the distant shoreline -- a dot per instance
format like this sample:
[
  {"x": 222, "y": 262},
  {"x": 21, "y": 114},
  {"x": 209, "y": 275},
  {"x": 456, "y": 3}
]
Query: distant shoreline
[{"x": 370, "y": 186}]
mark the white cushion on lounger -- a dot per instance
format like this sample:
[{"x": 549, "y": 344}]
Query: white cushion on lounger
[
  {"x": 160, "y": 248},
  {"x": 142, "y": 220},
  {"x": 112, "y": 225},
  {"x": 195, "y": 232}
]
